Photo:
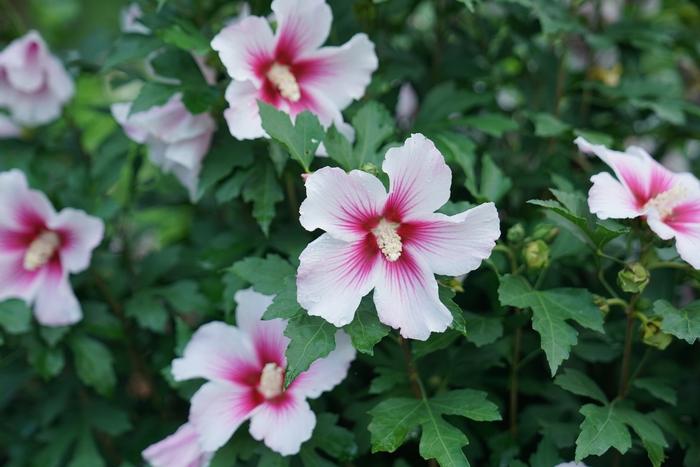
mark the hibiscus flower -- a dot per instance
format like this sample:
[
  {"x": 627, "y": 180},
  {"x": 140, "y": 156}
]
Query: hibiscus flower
[
  {"x": 391, "y": 243},
  {"x": 181, "y": 449},
  {"x": 40, "y": 247},
  {"x": 289, "y": 69},
  {"x": 245, "y": 366},
  {"x": 668, "y": 201}
]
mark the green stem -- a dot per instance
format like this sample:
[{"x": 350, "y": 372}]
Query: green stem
[
  {"x": 511, "y": 256},
  {"x": 413, "y": 375},
  {"x": 514, "y": 366},
  {"x": 668, "y": 265},
  {"x": 627, "y": 352}
]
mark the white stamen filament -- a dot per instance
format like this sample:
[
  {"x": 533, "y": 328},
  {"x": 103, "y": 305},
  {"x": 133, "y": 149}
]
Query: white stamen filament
[
  {"x": 388, "y": 240},
  {"x": 285, "y": 82},
  {"x": 41, "y": 250},
  {"x": 665, "y": 202},
  {"x": 271, "y": 381}
]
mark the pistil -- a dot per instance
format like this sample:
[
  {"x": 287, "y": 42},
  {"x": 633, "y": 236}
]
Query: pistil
[
  {"x": 283, "y": 79},
  {"x": 41, "y": 250},
  {"x": 388, "y": 239}
]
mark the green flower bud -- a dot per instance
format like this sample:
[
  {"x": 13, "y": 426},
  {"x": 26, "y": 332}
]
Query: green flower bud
[
  {"x": 634, "y": 278},
  {"x": 536, "y": 254},
  {"x": 370, "y": 168},
  {"x": 652, "y": 335},
  {"x": 546, "y": 232},
  {"x": 602, "y": 304},
  {"x": 516, "y": 234}
]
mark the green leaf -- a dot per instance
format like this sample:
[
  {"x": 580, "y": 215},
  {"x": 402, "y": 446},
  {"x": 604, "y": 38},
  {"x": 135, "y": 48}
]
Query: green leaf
[
  {"x": 445, "y": 100},
  {"x": 131, "y": 47},
  {"x": 226, "y": 153},
  {"x": 573, "y": 207},
  {"x": 339, "y": 149},
  {"x": 263, "y": 190},
  {"x": 466, "y": 403},
  {"x": 443, "y": 442},
  {"x": 551, "y": 311},
  {"x": 264, "y": 274},
  {"x": 301, "y": 138},
  {"x": 186, "y": 37},
  {"x": 494, "y": 183},
  {"x": 482, "y": 330},
  {"x": 547, "y": 125},
  {"x": 392, "y": 420},
  {"x": 311, "y": 338},
  {"x": 48, "y": 362},
  {"x": 366, "y": 330},
  {"x": 184, "y": 296},
  {"x": 285, "y": 304},
  {"x": 86, "y": 453},
  {"x": 148, "y": 311},
  {"x": 151, "y": 95},
  {"x": 683, "y": 324},
  {"x": 546, "y": 454},
  {"x": 580, "y": 384},
  {"x": 93, "y": 363},
  {"x": 601, "y": 429},
  {"x": 657, "y": 388},
  {"x": 461, "y": 150},
  {"x": 446, "y": 296},
  {"x": 15, "y": 316},
  {"x": 491, "y": 124},
  {"x": 333, "y": 439},
  {"x": 373, "y": 125}
]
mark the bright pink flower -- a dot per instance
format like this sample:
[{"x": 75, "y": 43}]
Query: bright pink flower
[
  {"x": 181, "y": 449},
  {"x": 289, "y": 69},
  {"x": 34, "y": 85},
  {"x": 39, "y": 248},
  {"x": 245, "y": 366},
  {"x": 670, "y": 202},
  {"x": 393, "y": 243},
  {"x": 177, "y": 140}
]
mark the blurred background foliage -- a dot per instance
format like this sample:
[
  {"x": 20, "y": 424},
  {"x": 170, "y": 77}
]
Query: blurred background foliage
[{"x": 502, "y": 86}]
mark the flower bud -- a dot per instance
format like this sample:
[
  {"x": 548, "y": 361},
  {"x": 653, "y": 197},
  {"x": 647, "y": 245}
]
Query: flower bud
[
  {"x": 546, "y": 232},
  {"x": 652, "y": 335},
  {"x": 602, "y": 304},
  {"x": 536, "y": 254},
  {"x": 516, "y": 234},
  {"x": 634, "y": 278},
  {"x": 370, "y": 168}
]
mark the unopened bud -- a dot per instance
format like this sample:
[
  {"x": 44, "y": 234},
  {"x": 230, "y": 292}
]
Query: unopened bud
[
  {"x": 652, "y": 335},
  {"x": 536, "y": 254},
  {"x": 516, "y": 234},
  {"x": 455, "y": 284},
  {"x": 370, "y": 168},
  {"x": 602, "y": 304},
  {"x": 634, "y": 278},
  {"x": 545, "y": 232}
]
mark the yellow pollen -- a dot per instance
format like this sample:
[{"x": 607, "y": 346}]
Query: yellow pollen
[
  {"x": 388, "y": 240},
  {"x": 285, "y": 82},
  {"x": 271, "y": 380},
  {"x": 41, "y": 250},
  {"x": 665, "y": 202}
]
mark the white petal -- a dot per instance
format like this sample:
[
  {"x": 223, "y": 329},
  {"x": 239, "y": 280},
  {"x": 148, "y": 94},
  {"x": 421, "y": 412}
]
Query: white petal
[
  {"x": 250, "y": 306},
  {"x": 217, "y": 351},
  {"x": 333, "y": 277},
  {"x": 610, "y": 199},
  {"x": 17, "y": 282},
  {"x": 406, "y": 297},
  {"x": 341, "y": 203},
  {"x": 267, "y": 336},
  {"x": 217, "y": 410},
  {"x": 81, "y": 233},
  {"x": 419, "y": 179},
  {"x": 8, "y": 129},
  {"x": 284, "y": 426},
  {"x": 455, "y": 245},
  {"x": 328, "y": 372},
  {"x": 302, "y": 25},
  {"x": 56, "y": 304},
  {"x": 181, "y": 449},
  {"x": 243, "y": 115},
  {"x": 22, "y": 209},
  {"x": 342, "y": 73},
  {"x": 245, "y": 47},
  {"x": 688, "y": 247}
]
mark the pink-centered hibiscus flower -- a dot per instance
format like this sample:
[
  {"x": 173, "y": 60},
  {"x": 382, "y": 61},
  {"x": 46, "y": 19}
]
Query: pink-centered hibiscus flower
[
  {"x": 181, "y": 449},
  {"x": 245, "y": 366},
  {"x": 289, "y": 69},
  {"x": 670, "y": 202},
  {"x": 393, "y": 243},
  {"x": 34, "y": 85},
  {"x": 40, "y": 247}
]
